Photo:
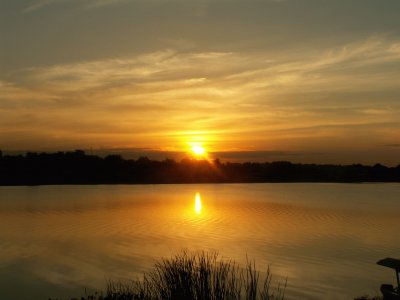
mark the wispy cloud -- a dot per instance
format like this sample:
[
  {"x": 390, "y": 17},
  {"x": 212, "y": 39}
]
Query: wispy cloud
[
  {"x": 38, "y": 4},
  {"x": 222, "y": 73},
  {"x": 224, "y": 94},
  {"x": 85, "y": 4},
  {"x": 199, "y": 7}
]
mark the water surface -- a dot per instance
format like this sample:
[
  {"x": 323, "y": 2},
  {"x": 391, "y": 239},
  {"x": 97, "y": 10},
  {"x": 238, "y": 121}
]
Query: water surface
[{"x": 55, "y": 241}]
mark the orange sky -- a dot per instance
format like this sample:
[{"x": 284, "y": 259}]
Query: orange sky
[{"x": 255, "y": 80}]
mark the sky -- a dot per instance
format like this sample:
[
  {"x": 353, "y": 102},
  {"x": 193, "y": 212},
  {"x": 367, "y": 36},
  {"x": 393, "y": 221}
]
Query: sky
[{"x": 313, "y": 81}]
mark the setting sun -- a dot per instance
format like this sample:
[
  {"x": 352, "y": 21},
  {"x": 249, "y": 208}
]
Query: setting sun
[{"x": 198, "y": 150}]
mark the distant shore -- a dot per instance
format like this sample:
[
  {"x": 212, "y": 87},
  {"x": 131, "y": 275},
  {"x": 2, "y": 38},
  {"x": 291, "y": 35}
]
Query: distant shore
[{"x": 77, "y": 167}]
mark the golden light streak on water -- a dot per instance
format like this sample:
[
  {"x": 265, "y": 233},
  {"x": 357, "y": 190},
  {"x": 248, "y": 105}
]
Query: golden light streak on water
[{"x": 197, "y": 204}]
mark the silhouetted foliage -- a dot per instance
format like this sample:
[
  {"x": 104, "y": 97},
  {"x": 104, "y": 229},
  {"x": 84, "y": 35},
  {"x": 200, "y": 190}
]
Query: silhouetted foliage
[
  {"x": 366, "y": 297},
  {"x": 195, "y": 276},
  {"x": 79, "y": 168}
]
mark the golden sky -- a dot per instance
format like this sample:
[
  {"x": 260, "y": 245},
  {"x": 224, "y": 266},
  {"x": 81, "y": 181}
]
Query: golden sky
[{"x": 306, "y": 81}]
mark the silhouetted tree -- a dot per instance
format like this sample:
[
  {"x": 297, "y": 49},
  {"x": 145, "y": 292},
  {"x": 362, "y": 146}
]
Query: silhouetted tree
[{"x": 79, "y": 168}]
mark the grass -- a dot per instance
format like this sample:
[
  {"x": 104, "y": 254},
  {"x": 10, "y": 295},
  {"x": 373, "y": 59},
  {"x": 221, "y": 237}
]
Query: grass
[{"x": 196, "y": 276}]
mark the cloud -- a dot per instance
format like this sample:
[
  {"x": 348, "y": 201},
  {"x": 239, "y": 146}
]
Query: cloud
[
  {"x": 83, "y": 4},
  {"x": 364, "y": 63},
  {"x": 347, "y": 69},
  {"x": 162, "y": 66},
  {"x": 36, "y": 5},
  {"x": 40, "y": 4},
  {"x": 156, "y": 98}
]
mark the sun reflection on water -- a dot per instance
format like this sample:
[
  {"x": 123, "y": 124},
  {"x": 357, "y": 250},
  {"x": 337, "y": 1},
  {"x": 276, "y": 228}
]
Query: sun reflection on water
[{"x": 197, "y": 204}]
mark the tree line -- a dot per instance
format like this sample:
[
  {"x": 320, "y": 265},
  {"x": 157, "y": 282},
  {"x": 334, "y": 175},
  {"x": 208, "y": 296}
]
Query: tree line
[{"x": 77, "y": 167}]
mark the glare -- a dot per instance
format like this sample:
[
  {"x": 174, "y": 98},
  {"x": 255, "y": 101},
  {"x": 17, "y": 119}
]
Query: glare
[
  {"x": 198, "y": 150},
  {"x": 197, "y": 204}
]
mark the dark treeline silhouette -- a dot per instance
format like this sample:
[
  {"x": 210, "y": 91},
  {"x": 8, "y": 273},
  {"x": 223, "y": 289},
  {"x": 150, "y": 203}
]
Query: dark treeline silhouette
[{"x": 79, "y": 168}]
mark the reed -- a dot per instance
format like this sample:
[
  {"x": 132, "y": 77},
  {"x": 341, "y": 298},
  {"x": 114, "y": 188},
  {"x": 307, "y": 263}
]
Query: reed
[{"x": 196, "y": 276}]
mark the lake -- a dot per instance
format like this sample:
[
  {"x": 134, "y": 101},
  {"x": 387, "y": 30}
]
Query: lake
[{"x": 55, "y": 241}]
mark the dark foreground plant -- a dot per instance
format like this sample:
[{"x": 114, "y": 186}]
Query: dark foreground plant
[
  {"x": 366, "y": 297},
  {"x": 196, "y": 276}
]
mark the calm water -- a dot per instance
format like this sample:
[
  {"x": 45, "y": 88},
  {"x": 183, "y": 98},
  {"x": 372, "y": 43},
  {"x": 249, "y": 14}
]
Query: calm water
[{"x": 55, "y": 241}]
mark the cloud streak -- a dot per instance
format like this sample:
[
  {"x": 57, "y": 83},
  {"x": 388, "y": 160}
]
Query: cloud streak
[
  {"x": 40, "y": 4},
  {"x": 151, "y": 100}
]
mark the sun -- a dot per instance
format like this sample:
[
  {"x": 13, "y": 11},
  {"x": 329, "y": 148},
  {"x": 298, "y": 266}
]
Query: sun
[{"x": 198, "y": 150}]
